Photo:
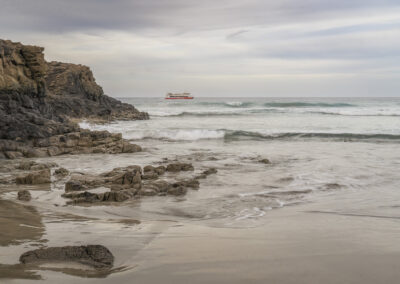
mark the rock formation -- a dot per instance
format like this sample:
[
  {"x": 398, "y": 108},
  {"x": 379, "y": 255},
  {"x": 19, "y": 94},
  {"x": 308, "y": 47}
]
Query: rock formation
[
  {"x": 24, "y": 195},
  {"x": 73, "y": 91},
  {"x": 122, "y": 184},
  {"x": 96, "y": 256},
  {"x": 38, "y": 100}
]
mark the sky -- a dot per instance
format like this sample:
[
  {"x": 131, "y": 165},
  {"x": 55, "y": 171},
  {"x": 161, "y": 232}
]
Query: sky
[{"x": 246, "y": 48}]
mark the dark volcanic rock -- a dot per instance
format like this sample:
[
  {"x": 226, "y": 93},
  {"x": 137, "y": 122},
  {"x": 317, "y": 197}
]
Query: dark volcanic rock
[
  {"x": 94, "y": 255},
  {"x": 24, "y": 195},
  {"x": 38, "y": 100}
]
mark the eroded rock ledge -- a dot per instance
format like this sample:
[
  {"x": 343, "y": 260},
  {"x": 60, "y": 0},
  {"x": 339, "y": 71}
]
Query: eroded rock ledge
[
  {"x": 117, "y": 185},
  {"x": 39, "y": 101},
  {"x": 79, "y": 142},
  {"x": 131, "y": 182}
]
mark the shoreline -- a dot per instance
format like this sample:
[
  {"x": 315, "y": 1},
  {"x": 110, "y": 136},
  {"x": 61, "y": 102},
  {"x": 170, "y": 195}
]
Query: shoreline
[{"x": 292, "y": 246}]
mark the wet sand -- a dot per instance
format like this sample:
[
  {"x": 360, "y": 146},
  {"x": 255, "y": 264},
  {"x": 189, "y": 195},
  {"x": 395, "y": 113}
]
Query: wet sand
[{"x": 294, "y": 245}]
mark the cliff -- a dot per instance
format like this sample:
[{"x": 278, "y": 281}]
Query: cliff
[
  {"x": 73, "y": 91},
  {"x": 22, "y": 69},
  {"x": 39, "y": 98}
]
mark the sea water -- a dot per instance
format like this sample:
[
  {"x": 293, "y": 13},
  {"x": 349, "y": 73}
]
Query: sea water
[{"x": 341, "y": 154}]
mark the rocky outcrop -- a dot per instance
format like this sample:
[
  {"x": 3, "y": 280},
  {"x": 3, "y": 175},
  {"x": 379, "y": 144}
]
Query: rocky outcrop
[
  {"x": 35, "y": 177},
  {"x": 117, "y": 185},
  {"x": 22, "y": 69},
  {"x": 25, "y": 112},
  {"x": 34, "y": 166},
  {"x": 96, "y": 256},
  {"x": 74, "y": 92},
  {"x": 79, "y": 142},
  {"x": 131, "y": 182},
  {"x": 177, "y": 167},
  {"x": 38, "y": 100}
]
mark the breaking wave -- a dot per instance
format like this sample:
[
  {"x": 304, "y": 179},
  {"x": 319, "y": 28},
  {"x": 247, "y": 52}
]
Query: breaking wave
[
  {"x": 199, "y": 113},
  {"x": 258, "y": 111},
  {"x": 177, "y": 135},
  {"x": 230, "y": 104},
  {"x": 305, "y": 104},
  {"x": 232, "y": 135}
]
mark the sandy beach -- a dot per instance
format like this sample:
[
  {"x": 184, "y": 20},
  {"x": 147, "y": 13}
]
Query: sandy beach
[{"x": 293, "y": 245}]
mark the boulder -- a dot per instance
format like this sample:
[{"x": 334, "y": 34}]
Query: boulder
[
  {"x": 160, "y": 170},
  {"x": 54, "y": 151},
  {"x": 24, "y": 195},
  {"x": 177, "y": 167},
  {"x": 150, "y": 175},
  {"x": 177, "y": 189},
  {"x": 130, "y": 148},
  {"x": 13, "y": 154},
  {"x": 26, "y": 165},
  {"x": 151, "y": 172},
  {"x": 74, "y": 185},
  {"x": 264, "y": 161},
  {"x": 96, "y": 256},
  {"x": 148, "y": 169},
  {"x": 61, "y": 172}
]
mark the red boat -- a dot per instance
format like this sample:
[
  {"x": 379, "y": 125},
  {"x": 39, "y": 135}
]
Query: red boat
[{"x": 181, "y": 96}]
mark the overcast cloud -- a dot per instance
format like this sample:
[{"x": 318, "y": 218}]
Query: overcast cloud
[{"x": 219, "y": 48}]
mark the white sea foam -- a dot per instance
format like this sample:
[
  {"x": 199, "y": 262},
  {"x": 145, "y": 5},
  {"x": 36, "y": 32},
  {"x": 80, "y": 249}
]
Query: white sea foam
[
  {"x": 130, "y": 131},
  {"x": 236, "y": 103},
  {"x": 255, "y": 212},
  {"x": 176, "y": 135}
]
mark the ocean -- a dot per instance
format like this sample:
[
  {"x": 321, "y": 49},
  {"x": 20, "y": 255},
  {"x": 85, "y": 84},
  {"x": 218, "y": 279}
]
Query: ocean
[{"x": 341, "y": 154}]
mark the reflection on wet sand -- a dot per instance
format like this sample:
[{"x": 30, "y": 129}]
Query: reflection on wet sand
[
  {"x": 19, "y": 223},
  {"x": 18, "y": 271}
]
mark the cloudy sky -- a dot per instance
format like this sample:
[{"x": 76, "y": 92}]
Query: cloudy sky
[{"x": 219, "y": 48}]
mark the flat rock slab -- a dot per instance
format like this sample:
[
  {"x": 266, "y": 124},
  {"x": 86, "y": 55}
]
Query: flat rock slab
[{"x": 96, "y": 256}]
